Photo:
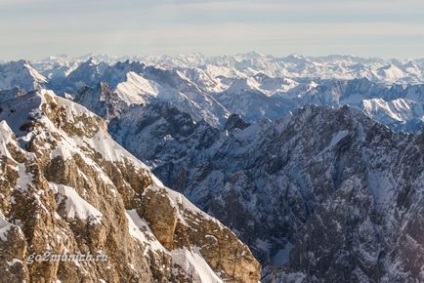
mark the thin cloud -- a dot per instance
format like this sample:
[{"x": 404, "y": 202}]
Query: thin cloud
[{"x": 211, "y": 27}]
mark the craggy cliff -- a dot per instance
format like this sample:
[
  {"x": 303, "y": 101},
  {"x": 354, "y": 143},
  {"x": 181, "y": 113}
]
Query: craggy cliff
[{"x": 67, "y": 188}]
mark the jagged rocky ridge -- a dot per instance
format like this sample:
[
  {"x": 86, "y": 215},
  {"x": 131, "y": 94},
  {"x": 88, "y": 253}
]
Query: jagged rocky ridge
[{"x": 67, "y": 187}]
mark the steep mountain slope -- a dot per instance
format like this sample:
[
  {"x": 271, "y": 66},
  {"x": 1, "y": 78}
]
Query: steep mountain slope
[
  {"x": 324, "y": 195},
  {"x": 67, "y": 188}
]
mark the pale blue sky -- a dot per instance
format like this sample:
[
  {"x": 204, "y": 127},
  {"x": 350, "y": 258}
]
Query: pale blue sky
[{"x": 38, "y": 28}]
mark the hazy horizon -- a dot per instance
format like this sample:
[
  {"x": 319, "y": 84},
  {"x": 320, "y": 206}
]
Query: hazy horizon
[
  {"x": 86, "y": 56},
  {"x": 36, "y": 29}
]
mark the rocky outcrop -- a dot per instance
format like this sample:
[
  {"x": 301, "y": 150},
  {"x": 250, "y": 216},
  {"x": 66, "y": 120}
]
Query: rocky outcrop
[
  {"x": 68, "y": 189},
  {"x": 178, "y": 227},
  {"x": 235, "y": 122}
]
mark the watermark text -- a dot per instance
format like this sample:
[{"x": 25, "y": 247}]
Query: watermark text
[{"x": 78, "y": 257}]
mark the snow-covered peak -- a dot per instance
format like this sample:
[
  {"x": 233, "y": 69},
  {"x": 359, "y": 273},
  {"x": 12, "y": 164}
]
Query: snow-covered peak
[
  {"x": 33, "y": 72},
  {"x": 136, "y": 89},
  {"x": 20, "y": 74},
  {"x": 241, "y": 86},
  {"x": 390, "y": 73},
  {"x": 205, "y": 79}
]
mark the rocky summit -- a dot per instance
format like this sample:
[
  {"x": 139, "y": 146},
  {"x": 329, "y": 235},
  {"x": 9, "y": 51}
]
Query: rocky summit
[{"x": 68, "y": 189}]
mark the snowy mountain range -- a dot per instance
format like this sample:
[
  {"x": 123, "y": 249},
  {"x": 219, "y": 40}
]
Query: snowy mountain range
[
  {"x": 314, "y": 163},
  {"x": 252, "y": 85},
  {"x": 293, "y": 66}
]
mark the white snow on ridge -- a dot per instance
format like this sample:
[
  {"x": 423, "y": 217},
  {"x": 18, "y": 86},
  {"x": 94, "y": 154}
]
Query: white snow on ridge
[
  {"x": 195, "y": 265},
  {"x": 19, "y": 73},
  {"x": 25, "y": 178},
  {"x": 180, "y": 200},
  {"x": 391, "y": 73},
  {"x": 282, "y": 256},
  {"x": 136, "y": 88},
  {"x": 35, "y": 74},
  {"x": 5, "y": 226},
  {"x": 76, "y": 207},
  {"x": 372, "y": 106},
  {"x": 136, "y": 225},
  {"x": 338, "y": 137},
  {"x": 6, "y": 136},
  {"x": 381, "y": 186}
]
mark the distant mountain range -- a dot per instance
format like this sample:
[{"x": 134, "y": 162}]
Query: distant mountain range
[{"x": 252, "y": 85}]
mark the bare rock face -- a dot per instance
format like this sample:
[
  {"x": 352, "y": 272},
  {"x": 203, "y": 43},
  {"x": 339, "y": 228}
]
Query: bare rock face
[
  {"x": 67, "y": 189},
  {"x": 217, "y": 244},
  {"x": 163, "y": 224}
]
